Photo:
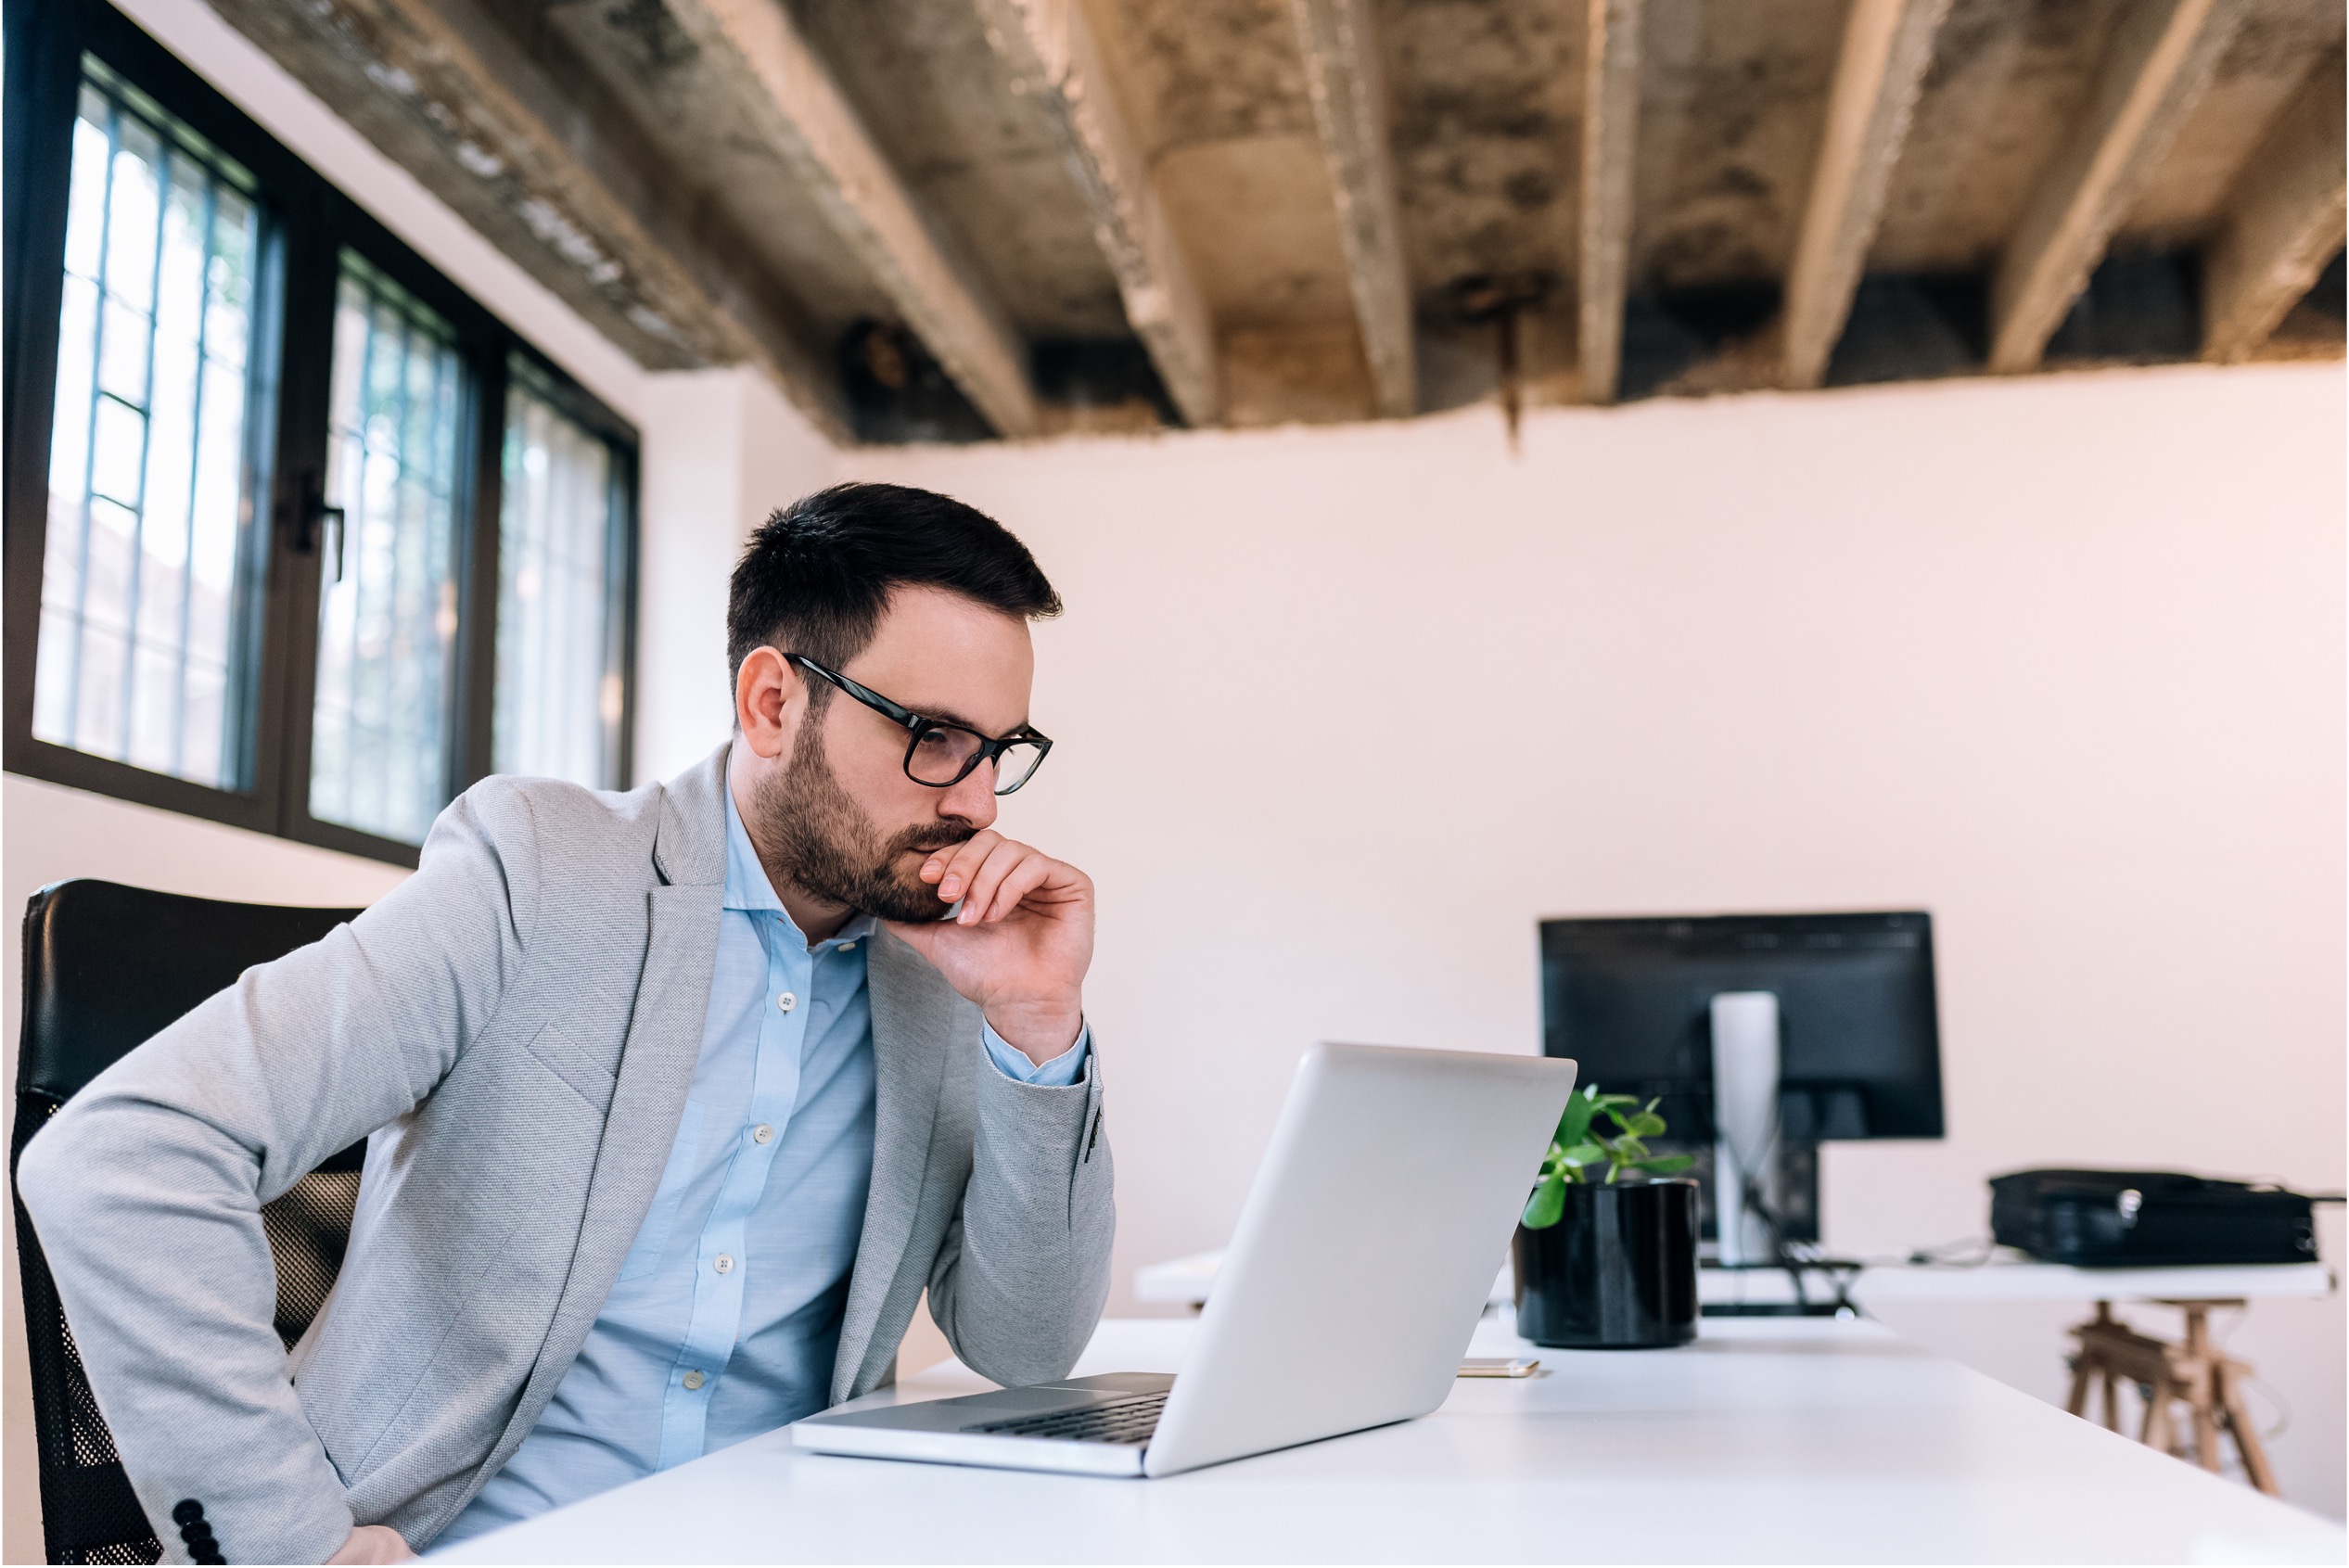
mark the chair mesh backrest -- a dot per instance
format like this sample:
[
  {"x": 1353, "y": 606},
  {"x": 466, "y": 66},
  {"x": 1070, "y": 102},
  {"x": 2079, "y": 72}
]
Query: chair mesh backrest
[{"x": 105, "y": 968}]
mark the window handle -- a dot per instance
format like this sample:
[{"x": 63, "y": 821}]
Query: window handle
[
  {"x": 313, "y": 512},
  {"x": 334, "y": 515}
]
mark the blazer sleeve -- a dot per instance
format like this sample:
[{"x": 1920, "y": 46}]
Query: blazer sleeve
[
  {"x": 1019, "y": 1283},
  {"x": 145, "y": 1189}
]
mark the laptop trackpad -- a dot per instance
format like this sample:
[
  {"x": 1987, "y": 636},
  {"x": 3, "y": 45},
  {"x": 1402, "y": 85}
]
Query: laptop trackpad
[
  {"x": 1009, "y": 1404},
  {"x": 1119, "y": 1385}
]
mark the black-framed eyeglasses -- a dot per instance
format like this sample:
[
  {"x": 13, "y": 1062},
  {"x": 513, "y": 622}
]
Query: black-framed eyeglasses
[{"x": 941, "y": 754}]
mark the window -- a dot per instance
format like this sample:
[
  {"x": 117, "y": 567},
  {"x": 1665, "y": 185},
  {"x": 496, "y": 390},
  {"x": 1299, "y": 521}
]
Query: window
[
  {"x": 150, "y": 473},
  {"x": 388, "y": 603},
  {"x": 298, "y": 536},
  {"x": 563, "y": 576}
]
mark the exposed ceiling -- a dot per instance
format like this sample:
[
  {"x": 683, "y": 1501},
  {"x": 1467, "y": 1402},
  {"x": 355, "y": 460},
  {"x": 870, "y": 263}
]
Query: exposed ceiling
[{"x": 958, "y": 219}]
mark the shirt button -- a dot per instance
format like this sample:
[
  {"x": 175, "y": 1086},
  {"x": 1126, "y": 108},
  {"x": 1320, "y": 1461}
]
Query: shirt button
[
  {"x": 786, "y": 1002},
  {"x": 725, "y": 1264},
  {"x": 848, "y": 946},
  {"x": 763, "y": 1133},
  {"x": 694, "y": 1380}
]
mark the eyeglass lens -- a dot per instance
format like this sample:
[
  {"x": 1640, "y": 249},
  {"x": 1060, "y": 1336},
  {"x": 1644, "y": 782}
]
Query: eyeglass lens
[
  {"x": 1012, "y": 767},
  {"x": 941, "y": 755}
]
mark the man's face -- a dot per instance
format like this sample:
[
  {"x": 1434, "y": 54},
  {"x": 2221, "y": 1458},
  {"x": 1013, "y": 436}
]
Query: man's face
[{"x": 836, "y": 814}]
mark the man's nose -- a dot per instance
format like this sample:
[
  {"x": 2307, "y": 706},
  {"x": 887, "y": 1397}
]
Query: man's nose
[{"x": 972, "y": 798}]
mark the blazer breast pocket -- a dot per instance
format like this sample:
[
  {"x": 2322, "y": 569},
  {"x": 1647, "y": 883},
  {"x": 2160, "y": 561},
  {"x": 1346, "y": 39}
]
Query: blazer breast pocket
[{"x": 575, "y": 1064}]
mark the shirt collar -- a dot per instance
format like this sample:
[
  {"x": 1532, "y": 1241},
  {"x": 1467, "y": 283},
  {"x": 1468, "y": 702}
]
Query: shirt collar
[{"x": 750, "y": 889}]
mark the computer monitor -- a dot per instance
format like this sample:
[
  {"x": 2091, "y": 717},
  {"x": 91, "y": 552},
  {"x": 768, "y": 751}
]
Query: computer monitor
[{"x": 1859, "y": 1046}]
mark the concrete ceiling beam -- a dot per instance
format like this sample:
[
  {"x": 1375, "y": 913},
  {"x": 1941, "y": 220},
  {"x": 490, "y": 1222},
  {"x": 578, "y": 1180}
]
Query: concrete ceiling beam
[
  {"x": 508, "y": 138},
  {"x": 1056, "y": 61},
  {"x": 752, "y": 50},
  {"x": 2156, "y": 67},
  {"x": 1610, "y": 161},
  {"x": 1887, "y": 44},
  {"x": 2284, "y": 223},
  {"x": 1349, "y": 108}
]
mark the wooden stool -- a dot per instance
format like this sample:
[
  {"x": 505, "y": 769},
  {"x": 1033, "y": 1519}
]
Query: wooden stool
[{"x": 2208, "y": 1383}]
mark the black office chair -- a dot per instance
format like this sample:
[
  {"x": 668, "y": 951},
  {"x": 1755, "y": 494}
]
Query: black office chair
[{"x": 105, "y": 968}]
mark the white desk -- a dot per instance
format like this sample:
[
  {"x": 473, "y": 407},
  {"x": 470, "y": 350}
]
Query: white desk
[
  {"x": 1768, "y": 1440},
  {"x": 2007, "y": 1277},
  {"x": 2012, "y": 1278}
]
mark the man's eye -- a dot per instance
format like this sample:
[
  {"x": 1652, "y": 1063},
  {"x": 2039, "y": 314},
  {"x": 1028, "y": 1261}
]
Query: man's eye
[{"x": 935, "y": 739}]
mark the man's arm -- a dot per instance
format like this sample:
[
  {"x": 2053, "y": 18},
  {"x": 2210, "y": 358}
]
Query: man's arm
[
  {"x": 1019, "y": 1283},
  {"x": 147, "y": 1188}
]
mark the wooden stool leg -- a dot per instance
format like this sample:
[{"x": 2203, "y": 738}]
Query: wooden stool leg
[
  {"x": 2090, "y": 1367},
  {"x": 2205, "y": 1436},
  {"x": 2160, "y": 1431},
  {"x": 2202, "y": 1387},
  {"x": 2082, "y": 1374},
  {"x": 2238, "y": 1421}
]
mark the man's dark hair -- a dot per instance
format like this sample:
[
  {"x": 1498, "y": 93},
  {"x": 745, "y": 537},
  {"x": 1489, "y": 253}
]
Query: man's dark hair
[{"x": 816, "y": 575}]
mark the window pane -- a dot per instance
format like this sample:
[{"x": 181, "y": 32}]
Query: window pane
[
  {"x": 387, "y": 627},
  {"x": 144, "y": 608},
  {"x": 559, "y": 678}
]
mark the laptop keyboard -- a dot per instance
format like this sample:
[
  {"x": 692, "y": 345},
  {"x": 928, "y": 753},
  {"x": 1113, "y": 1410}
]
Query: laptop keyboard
[{"x": 1125, "y": 1421}]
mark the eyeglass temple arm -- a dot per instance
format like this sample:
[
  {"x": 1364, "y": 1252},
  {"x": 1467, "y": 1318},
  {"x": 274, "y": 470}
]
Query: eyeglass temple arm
[{"x": 992, "y": 746}]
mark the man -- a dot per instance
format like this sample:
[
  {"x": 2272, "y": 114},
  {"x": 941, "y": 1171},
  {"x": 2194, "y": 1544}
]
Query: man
[{"x": 676, "y": 1101}]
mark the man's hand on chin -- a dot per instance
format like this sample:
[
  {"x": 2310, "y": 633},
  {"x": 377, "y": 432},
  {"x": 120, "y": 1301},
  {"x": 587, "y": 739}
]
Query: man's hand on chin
[
  {"x": 374, "y": 1543},
  {"x": 1020, "y": 945}
]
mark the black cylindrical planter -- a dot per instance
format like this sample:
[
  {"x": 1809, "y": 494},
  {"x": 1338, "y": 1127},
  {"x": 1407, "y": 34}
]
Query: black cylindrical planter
[{"x": 1616, "y": 1273}]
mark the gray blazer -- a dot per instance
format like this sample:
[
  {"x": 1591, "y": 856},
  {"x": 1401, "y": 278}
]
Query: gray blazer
[{"x": 513, "y": 1029}]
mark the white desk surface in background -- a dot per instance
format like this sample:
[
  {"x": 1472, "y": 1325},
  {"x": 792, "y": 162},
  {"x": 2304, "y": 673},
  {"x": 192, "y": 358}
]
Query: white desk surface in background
[
  {"x": 2014, "y": 1279},
  {"x": 2007, "y": 1277},
  {"x": 1768, "y": 1440}
]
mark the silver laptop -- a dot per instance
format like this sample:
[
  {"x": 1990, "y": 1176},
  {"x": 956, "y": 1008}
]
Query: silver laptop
[{"x": 1362, "y": 1263}]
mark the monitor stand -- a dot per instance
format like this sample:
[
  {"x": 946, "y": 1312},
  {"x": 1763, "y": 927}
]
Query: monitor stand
[
  {"x": 1744, "y": 1124},
  {"x": 1751, "y": 1160},
  {"x": 1797, "y": 1190}
]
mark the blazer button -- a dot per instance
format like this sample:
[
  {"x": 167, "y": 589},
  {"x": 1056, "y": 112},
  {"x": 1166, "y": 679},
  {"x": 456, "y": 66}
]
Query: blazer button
[{"x": 725, "y": 1264}]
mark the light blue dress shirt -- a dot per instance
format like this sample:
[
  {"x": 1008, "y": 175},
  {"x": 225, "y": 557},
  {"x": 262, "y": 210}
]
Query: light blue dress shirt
[{"x": 727, "y": 1311}]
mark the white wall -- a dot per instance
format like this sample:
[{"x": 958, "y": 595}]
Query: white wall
[
  {"x": 1342, "y": 712},
  {"x": 723, "y": 449}
]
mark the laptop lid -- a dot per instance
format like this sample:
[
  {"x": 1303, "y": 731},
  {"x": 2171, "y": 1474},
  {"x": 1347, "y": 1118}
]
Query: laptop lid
[{"x": 1365, "y": 1251}]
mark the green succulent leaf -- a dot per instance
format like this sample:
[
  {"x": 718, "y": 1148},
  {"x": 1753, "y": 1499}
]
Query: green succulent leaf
[
  {"x": 1578, "y": 1150},
  {"x": 1575, "y": 1125},
  {"x": 1548, "y": 1203}
]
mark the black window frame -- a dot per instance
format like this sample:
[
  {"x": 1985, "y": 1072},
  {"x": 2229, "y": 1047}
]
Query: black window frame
[{"x": 307, "y": 226}]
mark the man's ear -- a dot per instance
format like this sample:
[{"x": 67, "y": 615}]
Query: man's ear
[{"x": 769, "y": 698}]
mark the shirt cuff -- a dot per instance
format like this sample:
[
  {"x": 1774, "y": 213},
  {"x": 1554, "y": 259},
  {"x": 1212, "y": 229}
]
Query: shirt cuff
[{"x": 1058, "y": 1073}]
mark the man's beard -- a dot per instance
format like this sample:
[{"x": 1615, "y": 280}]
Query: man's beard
[{"x": 809, "y": 832}]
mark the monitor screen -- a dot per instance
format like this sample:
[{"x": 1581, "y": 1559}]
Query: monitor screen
[{"x": 1859, "y": 1050}]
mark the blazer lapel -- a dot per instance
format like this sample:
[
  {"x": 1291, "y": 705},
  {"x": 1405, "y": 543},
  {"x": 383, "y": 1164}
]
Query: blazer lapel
[
  {"x": 655, "y": 1074},
  {"x": 913, "y": 1014}
]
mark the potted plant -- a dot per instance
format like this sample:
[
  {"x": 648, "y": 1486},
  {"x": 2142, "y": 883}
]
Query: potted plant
[{"x": 1608, "y": 1262}]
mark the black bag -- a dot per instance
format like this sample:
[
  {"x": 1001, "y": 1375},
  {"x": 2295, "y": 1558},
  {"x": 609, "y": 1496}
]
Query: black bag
[{"x": 2139, "y": 1218}]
